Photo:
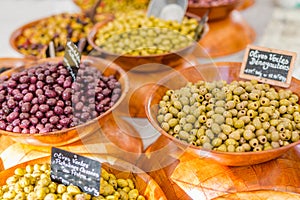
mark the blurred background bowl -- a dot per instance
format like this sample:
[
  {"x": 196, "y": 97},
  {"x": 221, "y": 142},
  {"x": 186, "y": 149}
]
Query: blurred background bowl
[
  {"x": 228, "y": 71},
  {"x": 70, "y": 135},
  {"x": 121, "y": 169},
  {"x": 131, "y": 62},
  {"x": 108, "y": 6},
  {"x": 217, "y": 12},
  {"x": 32, "y": 39}
]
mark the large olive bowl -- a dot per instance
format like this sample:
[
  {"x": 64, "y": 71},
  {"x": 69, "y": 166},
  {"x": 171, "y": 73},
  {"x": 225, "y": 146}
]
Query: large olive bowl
[
  {"x": 73, "y": 134},
  {"x": 33, "y": 43},
  {"x": 147, "y": 63},
  {"x": 121, "y": 169},
  {"x": 228, "y": 71}
]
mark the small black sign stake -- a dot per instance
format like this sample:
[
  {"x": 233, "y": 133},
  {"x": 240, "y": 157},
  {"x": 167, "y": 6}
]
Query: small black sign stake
[
  {"x": 69, "y": 168},
  {"x": 72, "y": 59},
  {"x": 266, "y": 65}
]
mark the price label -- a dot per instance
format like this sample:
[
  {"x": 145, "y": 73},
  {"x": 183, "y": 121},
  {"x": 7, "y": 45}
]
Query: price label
[
  {"x": 72, "y": 58},
  {"x": 69, "y": 168},
  {"x": 270, "y": 66}
]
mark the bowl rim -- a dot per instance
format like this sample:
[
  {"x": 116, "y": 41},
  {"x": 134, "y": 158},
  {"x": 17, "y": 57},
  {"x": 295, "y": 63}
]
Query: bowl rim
[
  {"x": 18, "y": 31},
  {"x": 92, "y": 34},
  {"x": 155, "y": 124},
  {"x": 234, "y": 3},
  {"x": 107, "y": 64}
]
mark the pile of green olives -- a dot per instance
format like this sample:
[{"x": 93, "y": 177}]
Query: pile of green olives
[
  {"x": 138, "y": 35},
  {"x": 33, "y": 182},
  {"x": 241, "y": 116}
]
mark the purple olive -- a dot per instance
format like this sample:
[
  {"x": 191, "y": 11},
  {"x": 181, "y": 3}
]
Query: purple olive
[
  {"x": 39, "y": 114},
  {"x": 24, "y": 115},
  {"x": 54, "y": 119},
  {"x": 26, "y": 107},
  {"x": 58, "y": 110},
  {"x": 28, "y": 97},
  {"x": 16, "y": 129},
  {"x": 44, "y": 108},
  {"x": 50, "y": 113},
  {"x": 25, "y": 123},
  {"x": 50, "y": 93},
  {"x": 51, "y": 102},
  {"x": 24, "y": 79},
  {"x": 34, "y": 120}
]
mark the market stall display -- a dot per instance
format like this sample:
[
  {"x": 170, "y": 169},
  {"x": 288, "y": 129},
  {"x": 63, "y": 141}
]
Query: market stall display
[{"x": 217, "y": 136}]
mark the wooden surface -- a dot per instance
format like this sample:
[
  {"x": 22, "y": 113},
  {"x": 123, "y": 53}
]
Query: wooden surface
[
  {"x": 261, "y": 194},
  {"x": 227, "y": 36},
  {"x": 191, "y": 177},
  {"x": 143, "y": 182},
  {"x": 121, "y": 141}
]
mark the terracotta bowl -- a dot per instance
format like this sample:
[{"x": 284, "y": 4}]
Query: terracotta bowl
[
  {"x": 218, "y": 71},
  {"x": 129, "y": 62},
  {"x": 121, "y": 169},
  {"x": 215, "y": 12},
  {"x": 70, "y": 135},
  {"x": 44, "y": 50}
]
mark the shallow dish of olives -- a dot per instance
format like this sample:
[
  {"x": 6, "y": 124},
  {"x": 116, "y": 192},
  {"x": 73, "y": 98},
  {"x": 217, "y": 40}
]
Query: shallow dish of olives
[
  {"x": 227, "y": 123},
  {"x": 133, "y": 39},
  {"x": 130, "y": 181},
  {"x": 41, "y": 104},
  {"x": 32, "y": 39},
  {"x": 218, "y": 9}
]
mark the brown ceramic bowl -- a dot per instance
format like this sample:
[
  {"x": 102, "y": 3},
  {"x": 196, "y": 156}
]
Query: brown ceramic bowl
[
  {"x": 215, "y": 12},
  {"x": 43, "y": 51},
  {"x": 229, "y": 72},
  {"x": 121, "y": 169},
  {"x": 70, "y": 135},
  {"x": 129, "y": 62}
]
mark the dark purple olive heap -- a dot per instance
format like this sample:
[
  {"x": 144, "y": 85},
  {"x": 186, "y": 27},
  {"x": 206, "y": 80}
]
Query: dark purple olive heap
[{"x": 44, "y": 98}]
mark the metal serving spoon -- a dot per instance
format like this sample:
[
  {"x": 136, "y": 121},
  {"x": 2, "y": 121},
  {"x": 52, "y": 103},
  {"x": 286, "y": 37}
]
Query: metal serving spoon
[{"x": 168, "y": 9}]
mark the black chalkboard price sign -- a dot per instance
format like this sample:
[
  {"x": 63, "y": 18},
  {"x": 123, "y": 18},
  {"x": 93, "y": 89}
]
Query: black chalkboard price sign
[
  {"x": 69, "y": 168},
  {"x": 72, "y": 59},
  {"x": 266, "y": 65}
]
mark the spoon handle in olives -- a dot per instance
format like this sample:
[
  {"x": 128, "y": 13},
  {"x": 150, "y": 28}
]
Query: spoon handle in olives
[
  {"x": 92, "y": 11},
  {"x": 200, "y": 27}
]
